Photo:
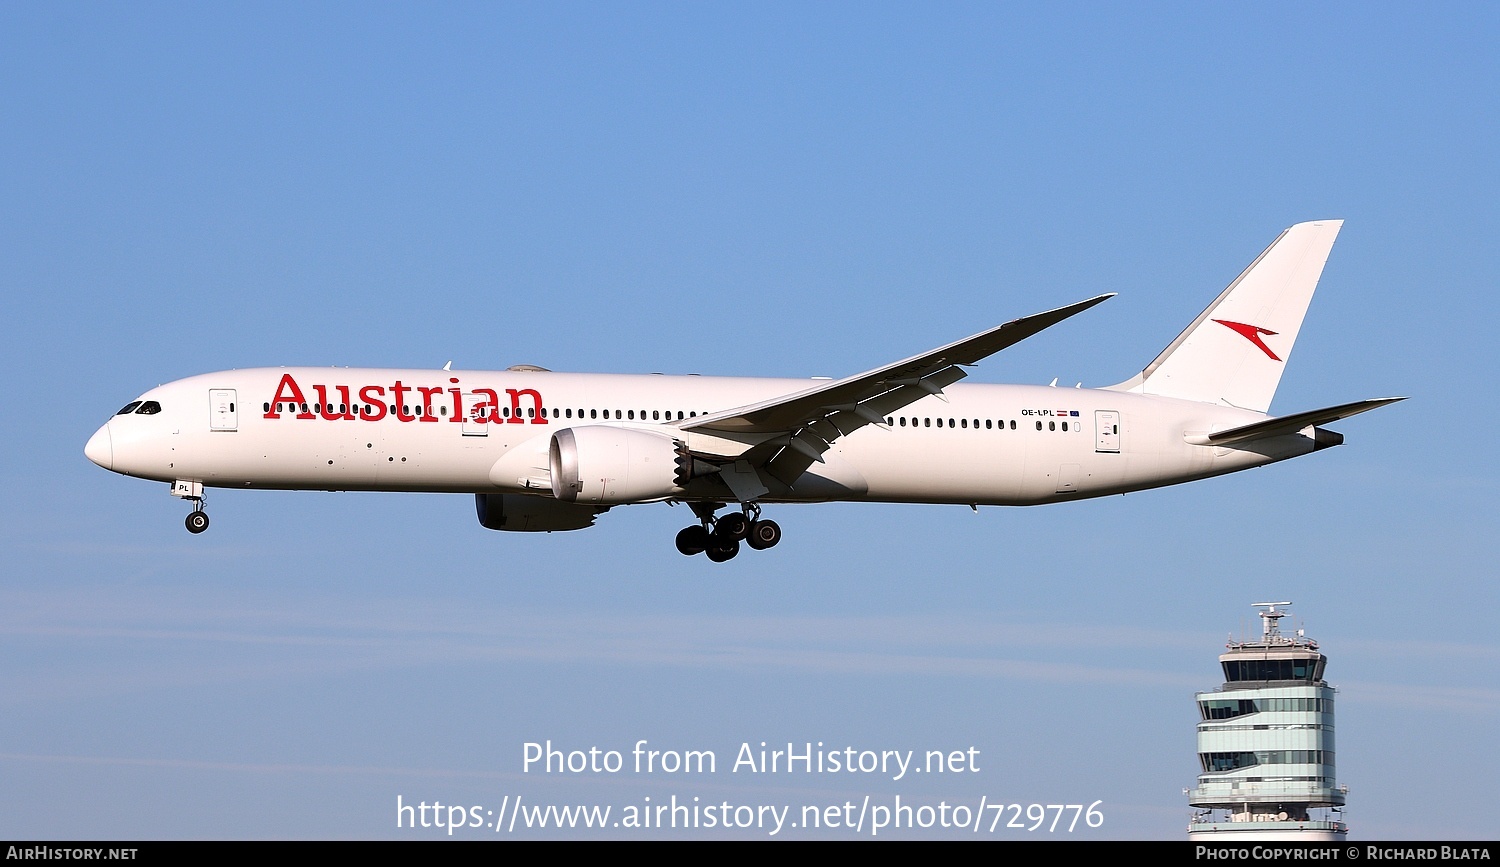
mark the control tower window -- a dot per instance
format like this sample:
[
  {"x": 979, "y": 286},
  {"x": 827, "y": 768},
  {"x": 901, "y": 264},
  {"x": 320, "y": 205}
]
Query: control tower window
[
  {"x": 149, "y": 407},
  {"x": 1219, "y": 762},
  {"x": 129, "y": 408},
  {"x": 1226, "y": 708},
  {"x": 1271, "y": 669}
]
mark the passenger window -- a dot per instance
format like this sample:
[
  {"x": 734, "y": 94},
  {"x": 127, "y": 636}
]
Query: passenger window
[
  {"x": 130, "y": 408},
  {"x": 149, "y": 407},
  {"x": 1012, "y": 424},
  {"x": 965, "y": 423},
  {"x": 989, "y": 424},
  {"x": 1065, "y": 426},
  {"x": 1039, "y": 425}
]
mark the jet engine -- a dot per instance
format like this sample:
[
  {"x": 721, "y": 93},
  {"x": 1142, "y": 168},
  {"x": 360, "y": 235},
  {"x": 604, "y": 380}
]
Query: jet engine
[
  {"x": 605, "y": 464},
  {"x": 523, "y": 513}
]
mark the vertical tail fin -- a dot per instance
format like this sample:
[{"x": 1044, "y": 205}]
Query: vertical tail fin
[{"x": 1235, "y": 351}]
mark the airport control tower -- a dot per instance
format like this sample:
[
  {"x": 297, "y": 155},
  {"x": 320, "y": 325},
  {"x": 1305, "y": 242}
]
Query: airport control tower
[{"x": 1265, "y": 743}]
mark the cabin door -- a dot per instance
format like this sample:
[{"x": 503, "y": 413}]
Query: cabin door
[
  {"x": 1106, "y": 430},
  {"x": 222, "y": 412}
]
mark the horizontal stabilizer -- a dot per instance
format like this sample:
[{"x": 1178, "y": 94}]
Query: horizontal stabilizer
[{"x": 1288, "y": 424}]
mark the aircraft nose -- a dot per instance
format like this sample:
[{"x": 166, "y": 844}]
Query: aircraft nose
[{"x": 100, "y": 448}]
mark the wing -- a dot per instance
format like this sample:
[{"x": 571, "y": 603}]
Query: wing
[{"x": 794, "y": 430}]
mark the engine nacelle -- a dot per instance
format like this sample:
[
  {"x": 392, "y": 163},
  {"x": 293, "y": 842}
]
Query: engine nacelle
[
  {"x": 603, "y": 464},
  {"x": 522, "y": 513}
]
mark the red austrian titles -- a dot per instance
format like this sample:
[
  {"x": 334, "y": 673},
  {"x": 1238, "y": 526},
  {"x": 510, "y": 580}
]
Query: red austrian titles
[{"x": 484, "y": 407}]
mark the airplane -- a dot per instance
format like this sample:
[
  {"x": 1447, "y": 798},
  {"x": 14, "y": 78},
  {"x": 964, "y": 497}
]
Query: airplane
[{"x": 548, "y": 451}]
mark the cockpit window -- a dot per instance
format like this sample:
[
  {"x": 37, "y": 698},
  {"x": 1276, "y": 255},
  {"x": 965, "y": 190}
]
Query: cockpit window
[
  {"x": 149, "y": 407},
  {"x": 129, "y": 408}
]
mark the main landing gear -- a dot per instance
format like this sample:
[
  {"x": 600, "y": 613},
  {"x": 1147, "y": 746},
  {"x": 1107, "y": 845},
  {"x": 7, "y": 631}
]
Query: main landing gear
[{"x": 720, "y": 537}]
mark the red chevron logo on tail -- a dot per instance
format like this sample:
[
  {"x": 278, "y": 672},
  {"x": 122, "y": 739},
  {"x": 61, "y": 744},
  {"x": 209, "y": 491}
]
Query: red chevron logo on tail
[{"x": 1251, "y": 333}]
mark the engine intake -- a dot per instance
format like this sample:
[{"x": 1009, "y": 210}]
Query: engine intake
[{"x": 612, "y": 465}]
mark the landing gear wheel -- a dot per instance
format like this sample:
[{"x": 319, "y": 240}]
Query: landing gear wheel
[
  {"x": 197, "y": 522},
  {"x": 735, "y": 525},
  {"x": 721, "y": 549},
  {"x": 693, "y": 540},
  {"x": 763, "y": 535}
]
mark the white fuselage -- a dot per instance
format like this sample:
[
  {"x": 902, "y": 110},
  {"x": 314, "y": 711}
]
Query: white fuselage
[{"x": 416, "y": 430}]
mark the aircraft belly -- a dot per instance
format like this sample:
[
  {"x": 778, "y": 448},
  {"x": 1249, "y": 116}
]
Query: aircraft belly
[
  {"x": 922, "y": 468},
  {"x": 281, "y": 454}
]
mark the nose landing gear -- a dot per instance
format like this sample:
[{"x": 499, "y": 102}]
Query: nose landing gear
[
  {"x": 720, "y": 537},
  {"x": 197, "y": 521}
]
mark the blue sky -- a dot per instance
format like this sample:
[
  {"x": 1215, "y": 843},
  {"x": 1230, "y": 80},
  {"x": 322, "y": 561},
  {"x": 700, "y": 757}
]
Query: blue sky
[{"x": 759, "y": 189}]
